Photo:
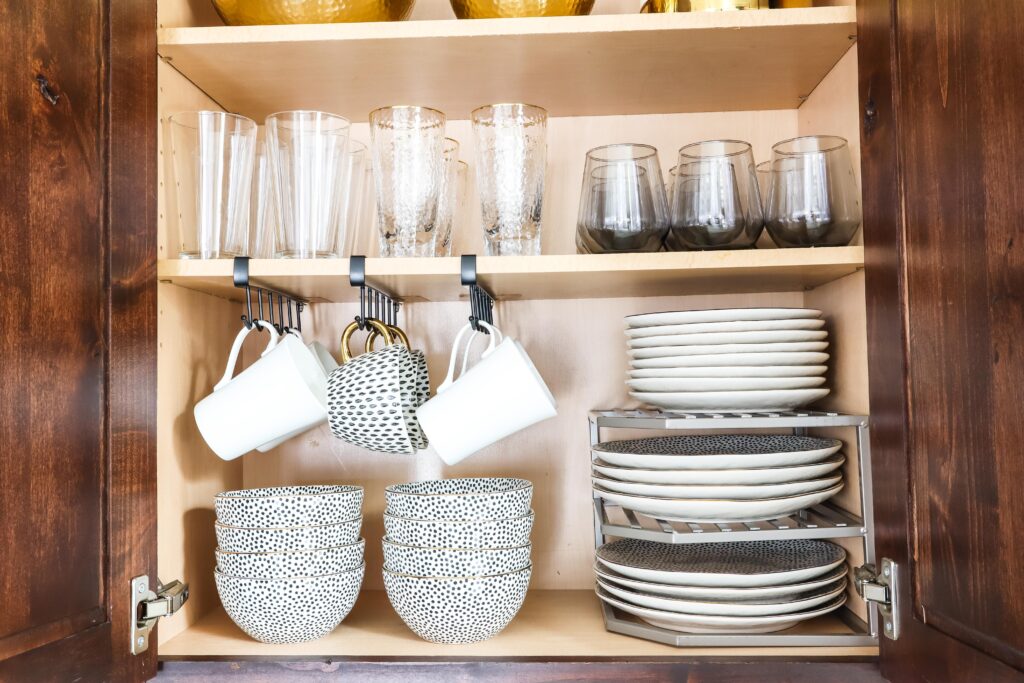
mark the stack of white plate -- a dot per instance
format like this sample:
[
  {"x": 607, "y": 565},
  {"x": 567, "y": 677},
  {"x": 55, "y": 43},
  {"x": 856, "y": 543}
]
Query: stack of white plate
[
  {"x": 751, "y": 587},
  {"x": 728, "y": 359},
  {"x": 718, "y": 477}
]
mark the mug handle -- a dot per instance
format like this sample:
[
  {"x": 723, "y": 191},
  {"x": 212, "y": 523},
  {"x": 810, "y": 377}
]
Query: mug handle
[
  {"x": 450, "y": 377},
  {"x": 236, "y": 347},
  {"x": 496, "y": 338}
]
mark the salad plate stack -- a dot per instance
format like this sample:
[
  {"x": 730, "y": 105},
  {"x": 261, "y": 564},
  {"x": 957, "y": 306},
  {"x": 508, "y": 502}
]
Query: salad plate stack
[
  {"x": 748, "y": 587},
  {"x": 728, "y": 359},
  {"x": 718, "y": 478}
]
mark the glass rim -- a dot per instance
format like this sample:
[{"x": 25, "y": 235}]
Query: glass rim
[
  {"x": 745, "y": 147},
  {"x": 524, "y": 105},
  {"x": 653, "y": 152},
  {"x": 176, "y": 117},
  {"x": 445, "y": 147},
  {"x": 279, "y": 115},
  {"x": 835, "y": 142},
  {"x": 398, "y": 107}
]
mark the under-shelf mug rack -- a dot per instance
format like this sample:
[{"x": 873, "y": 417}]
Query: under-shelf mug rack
[
  {"x": 822, "y": 521},
  {"x": 282, "y": 319}
]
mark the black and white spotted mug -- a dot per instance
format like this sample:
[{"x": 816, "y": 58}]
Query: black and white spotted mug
[{"x": 365, "y": 404}]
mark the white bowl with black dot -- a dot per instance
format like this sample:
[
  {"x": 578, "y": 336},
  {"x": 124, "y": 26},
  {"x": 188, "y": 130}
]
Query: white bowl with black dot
[
  {"x": 454, "y": 609},
  {"x": 281, "y": 506},
  {"x": 289, "y": 610},
  {"x": 284, "y": 565},
  {"x": 442, "y": 533},
  {"x": 459, "y": 499},
  {"x": 416, "y": 561},
  {"x": 285, "y": 539}
]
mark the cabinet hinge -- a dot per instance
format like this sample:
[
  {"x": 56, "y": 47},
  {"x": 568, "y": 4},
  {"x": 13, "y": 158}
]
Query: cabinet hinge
[
  {"x": 882, "y": 589},
  {"x": 148, "y": 607}
]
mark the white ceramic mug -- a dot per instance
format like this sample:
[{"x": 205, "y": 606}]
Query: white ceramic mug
[
  {"x": 282, "y": 394},
  {"x": 500, "y": 395}
]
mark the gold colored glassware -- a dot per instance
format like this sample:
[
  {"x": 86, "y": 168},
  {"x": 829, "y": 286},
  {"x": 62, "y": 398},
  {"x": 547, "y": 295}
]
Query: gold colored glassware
[
  {"x": 495, "y": 9},
  {"x": 669, "y": 6},
  {"x": 248, "y": 12}
]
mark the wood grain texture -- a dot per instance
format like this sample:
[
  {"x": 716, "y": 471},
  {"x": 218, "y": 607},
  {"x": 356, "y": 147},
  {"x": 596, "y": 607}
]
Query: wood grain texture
[
  {"x": 942, "y": 237},
  {"x": 78, "y": 269}
]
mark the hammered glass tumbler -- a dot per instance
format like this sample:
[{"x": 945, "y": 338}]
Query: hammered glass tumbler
[
  {"x": 308, "y": 158},
  {"x": 408, "y": 167},
  {"x": 813, "y": 200},
  {"x": 212, "y": 154},
  {"x": 448, "y": 201},
  {"x": 716, "y": 203},
  {"x": 511, "y": 155},
  {"x": 623, "y": 204}
]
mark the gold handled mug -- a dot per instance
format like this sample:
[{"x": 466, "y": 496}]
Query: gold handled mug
[
  {"x": 669, "y": 6},
  {"x": 415, "y": 382}
]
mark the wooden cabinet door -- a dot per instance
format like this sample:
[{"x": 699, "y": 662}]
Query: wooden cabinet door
[
  {"x": 943, "y": 100},
  {"x": 77, "y": 335}
]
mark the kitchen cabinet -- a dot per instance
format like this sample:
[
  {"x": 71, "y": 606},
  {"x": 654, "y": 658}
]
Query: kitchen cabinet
[{"x": 110, "y": 339}]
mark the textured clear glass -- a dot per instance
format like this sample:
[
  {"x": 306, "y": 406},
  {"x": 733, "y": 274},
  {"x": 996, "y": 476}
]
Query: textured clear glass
[
  {"x": 813, "y": 200},
  {"x": 511, "y": 156},
  {"x": 308, "y": 157},
  {"x": 407, "y": 144},
  {"x": 263, "y": 215},
  {"x": 623, "y": 205},
  {"x": 213, "y": 155},
  {"x": 716, "y": 203},
  {"x": 449, "y": 200}
]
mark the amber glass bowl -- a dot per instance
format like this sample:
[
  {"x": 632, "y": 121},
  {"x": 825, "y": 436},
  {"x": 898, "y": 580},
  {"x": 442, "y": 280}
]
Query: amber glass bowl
[
  {"x": 248, "y": 12},
  {"x": 494, "y": 9}
]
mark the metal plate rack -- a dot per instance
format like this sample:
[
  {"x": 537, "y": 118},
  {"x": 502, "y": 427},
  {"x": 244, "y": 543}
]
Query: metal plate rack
[{"x": 825, "y": 520}]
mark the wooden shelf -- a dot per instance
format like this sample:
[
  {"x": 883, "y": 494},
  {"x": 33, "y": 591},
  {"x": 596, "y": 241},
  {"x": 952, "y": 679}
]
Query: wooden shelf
[
  {"x": 537, "y": 277},
  {"x": 573, "y": 66},
  {"x": 555, "y": 624}
]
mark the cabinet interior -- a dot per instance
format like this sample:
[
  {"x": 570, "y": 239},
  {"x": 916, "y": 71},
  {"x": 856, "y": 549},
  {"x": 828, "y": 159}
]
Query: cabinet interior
[{"x": 576, "y": 343}]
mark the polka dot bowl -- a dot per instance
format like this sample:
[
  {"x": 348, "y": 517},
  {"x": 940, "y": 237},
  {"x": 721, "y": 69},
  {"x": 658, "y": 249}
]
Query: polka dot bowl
[
  {"x": 286, "y": 539},
  {"x": 289, "y": 610},
  {"x": 487, "y": 533},
  {"x": 286, "y": 565},
  {"x": 460, "y": 499},
  {"x": 282, "y": 506},
  {"x": 408, "y": 559},
  {"x": 446, "y": 609}
]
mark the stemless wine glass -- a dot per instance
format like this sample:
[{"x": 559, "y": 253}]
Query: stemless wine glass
[
  {"x": 716, "y": 203},
  {"x": 213, "y": 154},
  {"x": 448, "y": 200},
  {"x": 309, "y": 157},
  {"x": 764, "y": 177},
  {"x": 813, "y": 199},
  {"x": 511, "y": 156},
  {"x": 408, "y": 163},
  {"x": 623, "y": 206}
]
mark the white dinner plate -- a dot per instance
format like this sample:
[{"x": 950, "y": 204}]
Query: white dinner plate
[
  {"x": 721, "y": 349},
  {"x": 766, "y": 336},
  {"x": 780, "y": 399},
  {"x": 716, "y": 451},
  {"x": 712, "y": 511},
  {"x": 755, "y": 608},
  {"x": 717, "y": 491},
  {"x": 716, "y": 315},
  {"x": 783, "y": 592},
  {"x": 760, "y": 475},
  {"x": 656, "y": 384},
  {"x": 732, "y": 564},
  {"x": 728, "y": 326},
  {"x": 702, "y": 623},
  {"x": 736, "y": 359},
  {"x": 781, "y": 371}
]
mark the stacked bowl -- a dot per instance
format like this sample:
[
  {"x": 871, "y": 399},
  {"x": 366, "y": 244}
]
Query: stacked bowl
[
  {"x": 728, "y": 359},
  {"x": 747, "y": 587},
  {"x": 289, "y": 559},
  {"x": 457, "y": 555},
  {"x": 718, "y": 477}
]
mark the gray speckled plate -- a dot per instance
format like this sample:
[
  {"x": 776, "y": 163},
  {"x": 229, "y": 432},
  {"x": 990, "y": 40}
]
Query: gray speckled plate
[{"x": 716, "y": 451}]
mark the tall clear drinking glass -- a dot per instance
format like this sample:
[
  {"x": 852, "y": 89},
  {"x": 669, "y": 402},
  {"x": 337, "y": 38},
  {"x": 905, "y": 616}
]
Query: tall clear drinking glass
[
  {"x": 716, "y": 203},
  {"x": 263, "y": 214},
  {"x": 407, "y": 144},
  {"x": 623, "y": 205},
  {"x": 813, "y": 200},
  {"x": 448, "y": 199},
  {"x": 511, "y": 156},
  {"x": 308, "y": 158},
  {"x": 213, "y": 155},
  {"x": 355, "y": 175}
]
